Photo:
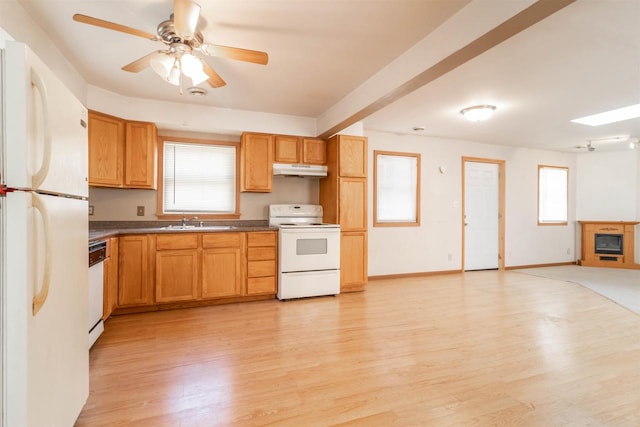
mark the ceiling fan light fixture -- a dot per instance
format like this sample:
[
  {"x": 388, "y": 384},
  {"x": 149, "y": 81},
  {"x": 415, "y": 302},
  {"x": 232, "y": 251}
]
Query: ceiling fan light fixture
[
  {"x": 192, "y": 67},
  {"x": 478, "y": 113},
  {"x": 167, "y": 67},
  {"x": 162, "y": 64}
]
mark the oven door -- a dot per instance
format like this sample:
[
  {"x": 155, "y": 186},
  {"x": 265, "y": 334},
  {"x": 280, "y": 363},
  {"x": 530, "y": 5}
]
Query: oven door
[{"x": 309, "y": 249}]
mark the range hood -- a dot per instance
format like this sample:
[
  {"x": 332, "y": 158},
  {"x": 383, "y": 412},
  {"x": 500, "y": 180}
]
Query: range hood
[{"x": 299, "y": 170}]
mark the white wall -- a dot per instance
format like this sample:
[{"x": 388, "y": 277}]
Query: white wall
[
  {"x": 19, "y": 25},
  {"x": 395, "y": 250},
  {"x": 609, "y": 188}
]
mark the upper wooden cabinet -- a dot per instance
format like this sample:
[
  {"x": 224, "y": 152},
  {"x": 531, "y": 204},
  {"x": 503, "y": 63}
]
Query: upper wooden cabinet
[
  {"x": 106, "y": 150},
  {"x": 352, "y": 156},
  {"x": 256, "y": 165},
  {"x": 296, "y": 149},
  {"x": 140, "y": 155},
  {"x": 121, "y": 154},
  {"x": 314, "y": 151},
  {"x": 287, "y": 149}
]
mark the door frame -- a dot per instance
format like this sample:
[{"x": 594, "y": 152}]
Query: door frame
[{"x": 501, "y": 205}]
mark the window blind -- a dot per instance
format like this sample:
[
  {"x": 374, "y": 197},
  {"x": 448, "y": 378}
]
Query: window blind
[
  {"x": 396, "y": 186},
  {"x": 199, "y": 178},
  {"x": 552, "y": 203}
]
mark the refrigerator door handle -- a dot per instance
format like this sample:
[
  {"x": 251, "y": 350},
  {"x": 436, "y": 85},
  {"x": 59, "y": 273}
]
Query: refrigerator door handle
[
  {"x": 39, "y": 177},
  {"x": 41, "y": 295}
]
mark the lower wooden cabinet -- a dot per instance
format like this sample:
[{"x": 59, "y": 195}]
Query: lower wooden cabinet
[
  {"x": 353, "y": 261},
  {"x": 110, "y": 294},
  {"x": 133, "y": 271},
  {"x": 222, "y": 259},
  {"x": 262, "y": 265},
  {"x": 176, "y": 267},
  {"x": 187, "y": 268}
]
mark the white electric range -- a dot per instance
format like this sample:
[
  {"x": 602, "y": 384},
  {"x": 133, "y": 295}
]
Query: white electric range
[{"x": 308, "y": 252}]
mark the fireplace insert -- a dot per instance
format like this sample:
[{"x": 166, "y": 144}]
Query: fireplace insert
[{"x": 610, "y": 244}]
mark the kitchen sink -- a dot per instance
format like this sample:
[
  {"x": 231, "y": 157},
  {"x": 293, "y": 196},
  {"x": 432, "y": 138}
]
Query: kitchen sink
[
  {"x": 179, "y": 227},
  {"x": 194, "y": 227}
]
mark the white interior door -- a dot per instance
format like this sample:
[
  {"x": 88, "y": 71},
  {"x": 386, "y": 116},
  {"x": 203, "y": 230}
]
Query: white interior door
[{"x": 481, "y": 215}]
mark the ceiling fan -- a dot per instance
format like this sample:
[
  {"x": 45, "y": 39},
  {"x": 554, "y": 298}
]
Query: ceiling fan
[{"x": 183, "y": 45}]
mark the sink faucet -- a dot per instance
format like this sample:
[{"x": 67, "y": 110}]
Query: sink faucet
[{"x": 184, "y": 220}]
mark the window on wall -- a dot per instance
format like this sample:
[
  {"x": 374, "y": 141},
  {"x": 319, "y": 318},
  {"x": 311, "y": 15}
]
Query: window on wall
[
  {"x": 396, "y": 189},
  {"x": 198, "y": 177},
  {"x": 553, "y": 184}
]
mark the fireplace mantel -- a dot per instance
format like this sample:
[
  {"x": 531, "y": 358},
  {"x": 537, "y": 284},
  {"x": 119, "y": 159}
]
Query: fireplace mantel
[{"x": 591, "y": 258}]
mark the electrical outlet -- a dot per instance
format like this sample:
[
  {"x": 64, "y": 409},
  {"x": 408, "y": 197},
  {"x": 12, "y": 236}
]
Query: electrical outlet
[
  {"x": 450, "y": 257},
  {"x": 568, "y": 251},
  {"x": 140, "y": 211},
  {"x": 90, "y": 209}
]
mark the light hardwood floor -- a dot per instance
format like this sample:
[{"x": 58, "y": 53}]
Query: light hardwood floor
[{"x": 473, "y": 349}]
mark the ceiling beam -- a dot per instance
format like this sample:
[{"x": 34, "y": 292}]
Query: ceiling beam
[{"x": 509, "y": 28}]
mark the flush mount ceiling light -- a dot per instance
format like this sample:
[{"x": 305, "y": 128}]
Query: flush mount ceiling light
[
  {"x": 478, "y": 113},
  {"x": 612, "y": 116}
]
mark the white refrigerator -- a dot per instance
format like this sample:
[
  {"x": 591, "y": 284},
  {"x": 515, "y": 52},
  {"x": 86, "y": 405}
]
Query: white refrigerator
[{"x": 43, "y": 251}]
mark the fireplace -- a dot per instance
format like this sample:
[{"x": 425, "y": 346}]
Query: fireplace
[{"x": 608, "y": 244}]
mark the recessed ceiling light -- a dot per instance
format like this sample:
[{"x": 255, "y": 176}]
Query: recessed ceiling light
[
  {"x": 613, "y": 116},
  {"x": 478, "y": 113}
]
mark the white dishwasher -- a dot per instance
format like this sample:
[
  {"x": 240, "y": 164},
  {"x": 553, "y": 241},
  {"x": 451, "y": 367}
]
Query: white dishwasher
[{"x": 97, "y": 255}]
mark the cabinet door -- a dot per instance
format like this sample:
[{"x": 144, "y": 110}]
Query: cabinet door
[
  {"x": 140, "y": 155},
  {"x": 353, "y": 261},
  {"x": 353, "y": 156},
  {"x": 221, "y": 272},
  {"x": 106, "y": 150},
  {"x": 110, "y": 295},
  {"x": 176, "y": 275},
  {"x": 257, "y": 162},
  {"x": 314, "y": 151},
  {"x": 287, "y": 149},
  {"x": 133, "y": 284},
  {"x": 353, "y": 204}
]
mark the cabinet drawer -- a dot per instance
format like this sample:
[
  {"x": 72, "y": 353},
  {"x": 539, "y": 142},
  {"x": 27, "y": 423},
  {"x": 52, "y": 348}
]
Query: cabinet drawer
[
  {"x": 261, "y": 285},
  {"x": 261, "y": 238},
  {"x": 221, "y": 240},
  {"x": 261, "y": 254},
  {"x": 261, "y": 268},
  {"x": 176, "y": 241}
]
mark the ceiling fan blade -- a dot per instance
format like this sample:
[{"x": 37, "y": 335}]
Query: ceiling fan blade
[
  {"x": 139, "y": 64},
  {"x": 214, "y": 79},
  {"x": 236, "y": 53},
  {"x": 185, "y": 17},
  {"x": 113, "y": 26}
]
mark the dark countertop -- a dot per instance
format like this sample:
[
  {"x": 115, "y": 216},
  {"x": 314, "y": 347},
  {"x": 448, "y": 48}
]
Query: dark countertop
[{"x": 104, "y": 229}]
